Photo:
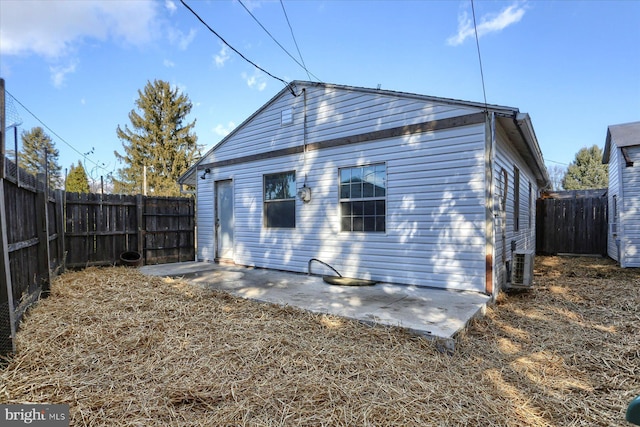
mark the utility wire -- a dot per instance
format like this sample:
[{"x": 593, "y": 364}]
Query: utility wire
[
  {"x": 296, "y": 43},
  {"x": 236, "y": 50},
  {"x": 475, "y": 27},
  {"x": 558, "y": 163},
  {"x": 84, "y": 155},
  {"x": 274, "y": 39}
]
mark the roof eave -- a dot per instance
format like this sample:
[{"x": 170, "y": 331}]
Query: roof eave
[{"x": 520, "y": 130}]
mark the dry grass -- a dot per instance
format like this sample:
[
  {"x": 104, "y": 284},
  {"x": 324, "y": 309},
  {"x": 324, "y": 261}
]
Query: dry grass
[{"x": 123, "y": 349}]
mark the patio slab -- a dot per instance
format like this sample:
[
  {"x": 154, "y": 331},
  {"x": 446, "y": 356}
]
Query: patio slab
[{"x": 434, "y": 313}]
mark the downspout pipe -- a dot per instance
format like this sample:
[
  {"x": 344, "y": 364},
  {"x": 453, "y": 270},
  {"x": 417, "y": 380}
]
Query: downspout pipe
[{"x": 490, "y": 232}]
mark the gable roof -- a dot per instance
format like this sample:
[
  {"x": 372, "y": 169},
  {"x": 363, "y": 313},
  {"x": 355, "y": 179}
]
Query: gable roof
[
  {"x": 622, "y": 135},
  {"x": 518, "y": 125}
]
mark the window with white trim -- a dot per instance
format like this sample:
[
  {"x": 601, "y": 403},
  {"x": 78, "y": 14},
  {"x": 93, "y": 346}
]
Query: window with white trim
[
  {"x": 363, "y": 198},
  {"x": 280, "y": 200}
]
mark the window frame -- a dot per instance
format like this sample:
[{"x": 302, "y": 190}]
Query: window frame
[
  {"x": 283, "y": 201},
  {"x": 516, "y": 198},
  {"x": 532, "y": 204},
  {"x": 371, "y": 220}
]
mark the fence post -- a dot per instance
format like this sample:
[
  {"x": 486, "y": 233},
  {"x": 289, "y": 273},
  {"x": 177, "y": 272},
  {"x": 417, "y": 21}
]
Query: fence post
[
  {"x": 42, "y": 219},
  {"x": 2, "y": 129},
  {"x": 141, "y": 226},
  {"x": 59, "y": 196},
  {"x": 7, "y": 319}
]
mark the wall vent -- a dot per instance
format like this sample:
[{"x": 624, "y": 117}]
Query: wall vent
[{"x": 286, "y": 117}]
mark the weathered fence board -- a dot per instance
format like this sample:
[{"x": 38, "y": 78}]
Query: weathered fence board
[
  {"x": 99, "y": 228},
  {"x": 32, "y": 245},
  {"x": 572, "y": 224},
  {"x": 169, "y": 230},
  {"x": 43, "y": 233}
]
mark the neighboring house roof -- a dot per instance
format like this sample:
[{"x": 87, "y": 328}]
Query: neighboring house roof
[
  {"x": 622, "y": 135},
  {"x": 518, "y": 125}
]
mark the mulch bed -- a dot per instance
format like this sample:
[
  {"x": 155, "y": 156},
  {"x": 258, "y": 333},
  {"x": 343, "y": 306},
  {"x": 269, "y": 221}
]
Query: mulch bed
[{"x": 124, "y": 349}]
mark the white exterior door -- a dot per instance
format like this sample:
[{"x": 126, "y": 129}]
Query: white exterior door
[{"x": 224, "y": 219}]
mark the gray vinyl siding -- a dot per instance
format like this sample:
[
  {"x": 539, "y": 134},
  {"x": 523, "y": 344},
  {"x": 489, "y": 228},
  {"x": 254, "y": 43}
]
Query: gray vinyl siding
[
  {"x": 331, "y": 113},
  {"x": 630, "y": 214},
  {"x": 435, "y": 205},
  {"x": 614, "y": 191},
  {"x": 435, "y": 218},
  {"x": 525, "y": 237}
]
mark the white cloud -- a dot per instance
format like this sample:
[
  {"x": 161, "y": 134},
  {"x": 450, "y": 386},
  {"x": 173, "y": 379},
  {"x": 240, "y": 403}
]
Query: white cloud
[
  {"x": 223, "y": 130},
  {"x": 168, "y": 63},
  {"x": 222, "y": 57},
  {"x": 180, "y": 39},
  {"x": 255, "y": 81},
  {"x": 488, "y": 23},
  {"x": 171, "y": 6},
  {"x": 59, "y": 73},
  {"x": 53, "y": 29}
]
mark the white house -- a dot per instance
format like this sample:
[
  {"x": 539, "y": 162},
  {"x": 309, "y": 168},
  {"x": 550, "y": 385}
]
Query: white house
[
  {"x": 389, "y": 186},
  {"x": 622, "y": 153}
]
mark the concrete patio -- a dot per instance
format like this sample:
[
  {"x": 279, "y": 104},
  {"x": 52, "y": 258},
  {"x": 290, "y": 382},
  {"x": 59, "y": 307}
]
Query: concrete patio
[{"x": 434, "y": 313}]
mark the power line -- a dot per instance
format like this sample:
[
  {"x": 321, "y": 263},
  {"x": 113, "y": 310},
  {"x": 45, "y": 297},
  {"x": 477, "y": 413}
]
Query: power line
[
  {"x": 236, "y": 50},
  {"x": 296, "y": 43},
  {"x": 84, "y": 155},
  {"x": 475, "y": 28},
  {"x": 559, "y": 163},
  {"x": 276, "y": 41}
]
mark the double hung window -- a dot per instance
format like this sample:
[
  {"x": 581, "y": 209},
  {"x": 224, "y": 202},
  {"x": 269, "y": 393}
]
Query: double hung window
[
  {"x": 363, "y": 192},
  {"x": 280, "y": 200}
]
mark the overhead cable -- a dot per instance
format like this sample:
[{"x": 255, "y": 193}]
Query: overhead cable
[
  {"x": 276, "y": 41},
  {"x": 558, "y": 163},
  {"x": 475, "y": 28},
  {"x": 84, "y": 155},
  {"x": 309, "y": 74},
  {"x": 287, "y": 84}
]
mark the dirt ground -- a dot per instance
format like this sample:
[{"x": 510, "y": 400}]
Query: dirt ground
[{"x": 123, "y": 349}]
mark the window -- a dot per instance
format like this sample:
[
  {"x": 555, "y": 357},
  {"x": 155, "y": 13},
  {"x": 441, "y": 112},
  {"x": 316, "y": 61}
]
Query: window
[
  {"x": 532, "y": 204},
  {"x": 614, "y": 224},
  {"x": 363, "y": 198},
  {"x": 280, "y": 200},
  {"x": 516, "y": 199}
]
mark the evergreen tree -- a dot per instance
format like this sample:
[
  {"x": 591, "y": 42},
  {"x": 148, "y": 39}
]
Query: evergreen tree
[
  {"x": 159, "y": 139},
  {"x": 77, "y": 181},
  {"x": 35, "y": 143},
  {"x": 586, "y": 171}
]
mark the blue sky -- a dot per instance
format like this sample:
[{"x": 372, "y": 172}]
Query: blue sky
[{"x": 574, "y": 66}]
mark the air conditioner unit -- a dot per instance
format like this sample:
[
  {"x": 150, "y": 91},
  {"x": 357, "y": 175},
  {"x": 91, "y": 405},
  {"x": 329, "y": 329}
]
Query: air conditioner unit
[{"x": 522, "y": 268}]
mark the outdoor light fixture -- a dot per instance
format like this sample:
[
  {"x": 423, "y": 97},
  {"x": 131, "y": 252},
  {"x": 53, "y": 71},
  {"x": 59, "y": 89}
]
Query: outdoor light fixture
[{"x": 204, "y": 175}]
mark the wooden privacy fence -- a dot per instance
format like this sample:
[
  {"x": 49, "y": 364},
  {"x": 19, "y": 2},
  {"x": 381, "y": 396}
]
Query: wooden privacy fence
[
  {"x": 100, "y": 227},
  {"x": 32, "y": 245},
  {"x": 42, "y": 233},
  {"x": 572, "y": 222}
]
